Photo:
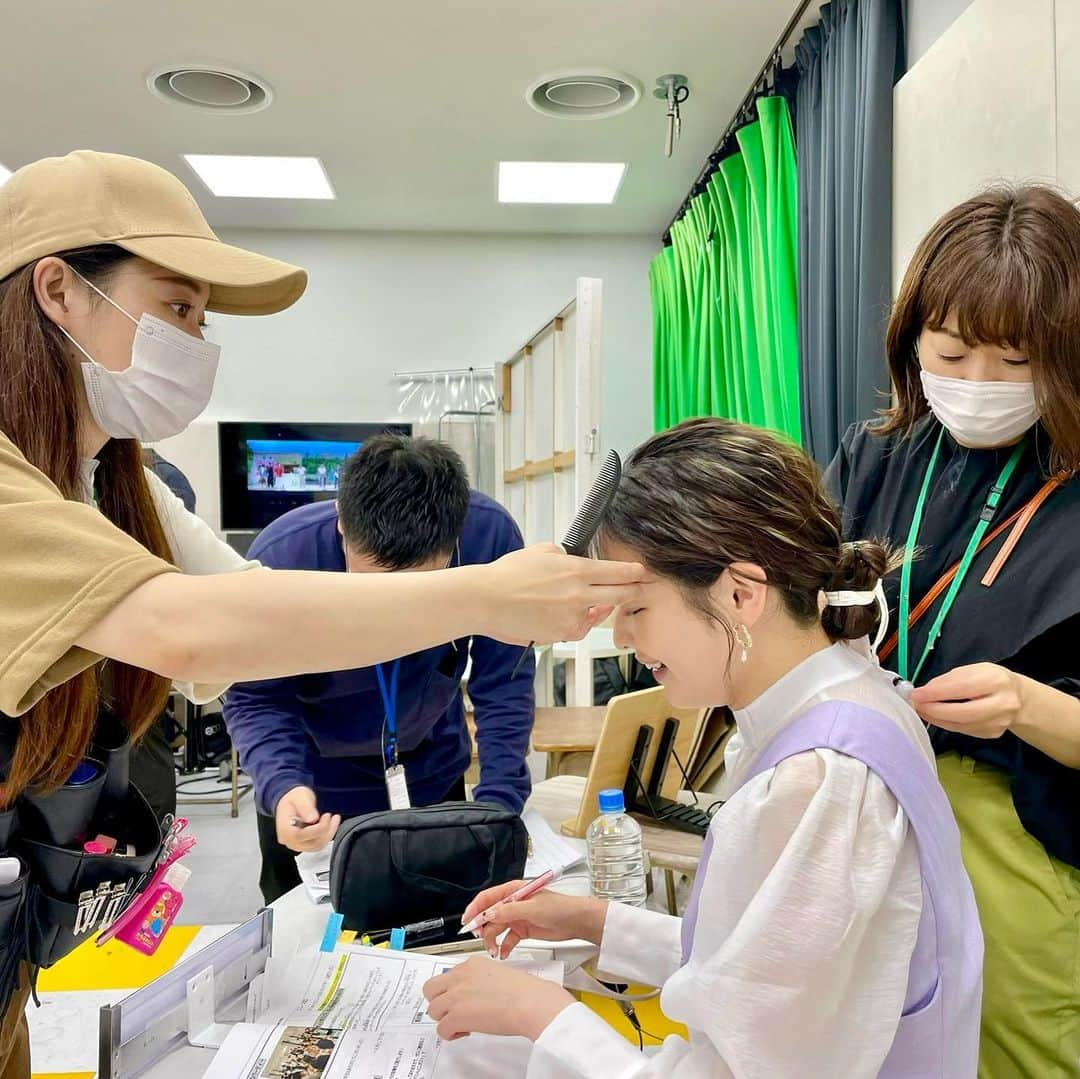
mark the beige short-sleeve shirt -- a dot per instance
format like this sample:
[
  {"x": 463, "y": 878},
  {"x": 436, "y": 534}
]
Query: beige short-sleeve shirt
[{"x": 63, "y": 566}]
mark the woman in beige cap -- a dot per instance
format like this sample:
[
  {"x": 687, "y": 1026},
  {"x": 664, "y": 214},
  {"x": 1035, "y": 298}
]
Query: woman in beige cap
[{"x": 106, "y": 268}]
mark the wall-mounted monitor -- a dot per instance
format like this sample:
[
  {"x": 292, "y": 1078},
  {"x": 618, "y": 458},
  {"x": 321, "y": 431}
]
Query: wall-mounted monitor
[{"x": 268, "y": 469}]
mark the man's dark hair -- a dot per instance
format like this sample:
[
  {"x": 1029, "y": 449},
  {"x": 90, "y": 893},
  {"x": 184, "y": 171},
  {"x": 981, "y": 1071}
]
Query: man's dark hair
[{"x": 402, "y": 501}]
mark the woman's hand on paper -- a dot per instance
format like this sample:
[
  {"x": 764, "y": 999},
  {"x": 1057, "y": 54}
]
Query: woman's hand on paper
[
  {"x": 300, "y": 827},
  {"x": 481, "y": 996},
  {"x": 546, "y": 916},
  {"x": 543, "y": 594}
]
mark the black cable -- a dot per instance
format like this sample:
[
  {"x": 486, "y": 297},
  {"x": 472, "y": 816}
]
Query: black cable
[
  {"x": 642, "y": 1034},
  {"x": 628, "y": 1010},
  {"x": 686, "y": 779}
]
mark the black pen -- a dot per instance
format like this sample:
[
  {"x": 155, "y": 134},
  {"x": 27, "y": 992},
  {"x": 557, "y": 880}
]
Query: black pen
[{"x": 415, "y": 933}]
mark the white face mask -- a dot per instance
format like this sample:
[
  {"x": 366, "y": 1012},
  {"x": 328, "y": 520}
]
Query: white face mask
[
  {"x": 167, "y": 385},
  {"x": 981, "y": 414}
]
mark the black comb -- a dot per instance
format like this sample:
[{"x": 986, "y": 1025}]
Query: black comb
[{"x": 587, "y": 520}]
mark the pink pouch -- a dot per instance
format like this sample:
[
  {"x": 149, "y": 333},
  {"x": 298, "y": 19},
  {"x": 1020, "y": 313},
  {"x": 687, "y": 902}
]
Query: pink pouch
[
  {"x": 157, "y": 911},
  {"x": 130, "y": 924}
]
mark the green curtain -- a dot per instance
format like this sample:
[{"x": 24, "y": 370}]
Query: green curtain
[{"x": 724, "y": 294}]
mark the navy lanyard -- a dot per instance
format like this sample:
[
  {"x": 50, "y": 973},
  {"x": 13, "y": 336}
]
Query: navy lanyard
[
  {"x": 993, "y": 498},
  {"x": 389, "y": 698}
]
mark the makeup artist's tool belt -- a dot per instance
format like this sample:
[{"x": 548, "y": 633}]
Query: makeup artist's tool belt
[
  {"x": 407, "y": 865},
  {"x": 55, "y": 894}
]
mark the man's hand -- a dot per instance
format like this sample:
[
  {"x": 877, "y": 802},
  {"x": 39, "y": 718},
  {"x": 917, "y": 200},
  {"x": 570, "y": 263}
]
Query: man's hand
[{"x": 299, "y": 825}]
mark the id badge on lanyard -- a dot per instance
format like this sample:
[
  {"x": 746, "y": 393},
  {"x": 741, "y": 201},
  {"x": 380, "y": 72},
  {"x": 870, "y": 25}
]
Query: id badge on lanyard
[{"x": 397, "y": 789}]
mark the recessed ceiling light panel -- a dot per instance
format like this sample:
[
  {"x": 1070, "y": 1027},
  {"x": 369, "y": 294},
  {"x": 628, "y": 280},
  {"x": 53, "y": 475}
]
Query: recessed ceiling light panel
[
  {"x": 244, "y": 177},
  {"x": 584, "y": 95},
  {"x": 211, "y": 88},
  {"x": 583, "y": 182}
]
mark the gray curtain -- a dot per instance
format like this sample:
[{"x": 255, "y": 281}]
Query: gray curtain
[{"x": 847, "y": 64}]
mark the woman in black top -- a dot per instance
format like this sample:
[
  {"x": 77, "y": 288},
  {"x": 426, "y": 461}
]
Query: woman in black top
[{"x": 984, "y": 351}]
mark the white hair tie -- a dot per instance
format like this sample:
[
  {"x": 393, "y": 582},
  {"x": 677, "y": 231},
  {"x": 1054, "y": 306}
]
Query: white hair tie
[
  {"x": 864, "y": 599},
  {"x": 851, "y": 599}
]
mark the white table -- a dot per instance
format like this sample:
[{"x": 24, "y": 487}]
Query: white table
[{"x": 298, "y": 930}]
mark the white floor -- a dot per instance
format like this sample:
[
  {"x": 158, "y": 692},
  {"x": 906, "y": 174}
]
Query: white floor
[{"x": 224, "y": 864}]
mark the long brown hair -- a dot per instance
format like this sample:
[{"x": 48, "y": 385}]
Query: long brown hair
[
  {"x": 1006, "y": 263},
  {"x": 700, "y": 497},
  {"x": 39, "y": 412}
]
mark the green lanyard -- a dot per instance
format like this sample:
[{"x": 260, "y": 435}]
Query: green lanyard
[{"x": 985, "y": 517}]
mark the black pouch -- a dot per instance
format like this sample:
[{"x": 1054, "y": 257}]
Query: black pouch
[
  {"x": 74, "y": 894},
  {"x": 66, "y": 895},
  {"x": 407, "y": 865},
  {"x": 13, "y": 930}
]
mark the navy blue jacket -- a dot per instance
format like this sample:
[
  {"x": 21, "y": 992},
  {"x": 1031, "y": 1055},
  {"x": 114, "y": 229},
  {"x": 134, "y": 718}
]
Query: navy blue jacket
[
  {"x": 172, "y": 477},
  {"x": 324, "y": 730}
]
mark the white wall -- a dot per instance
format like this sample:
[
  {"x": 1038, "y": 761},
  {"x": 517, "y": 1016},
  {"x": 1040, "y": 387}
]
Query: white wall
[
  {"x": 384, "y": 302},
  {"x": 995, "y": 98},
  {"x": 925, "y": 22}
]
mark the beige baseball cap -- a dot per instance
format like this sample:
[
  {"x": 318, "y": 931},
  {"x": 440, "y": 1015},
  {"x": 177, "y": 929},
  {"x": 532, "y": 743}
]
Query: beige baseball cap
[{"x": 87, "y": 198}]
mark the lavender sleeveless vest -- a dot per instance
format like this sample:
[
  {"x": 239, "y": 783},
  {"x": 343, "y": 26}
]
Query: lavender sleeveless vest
[{"x": 938, "y": 1033}]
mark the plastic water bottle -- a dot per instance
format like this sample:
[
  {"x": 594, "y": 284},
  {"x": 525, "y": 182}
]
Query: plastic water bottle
[{"x": 616, "y": 863}]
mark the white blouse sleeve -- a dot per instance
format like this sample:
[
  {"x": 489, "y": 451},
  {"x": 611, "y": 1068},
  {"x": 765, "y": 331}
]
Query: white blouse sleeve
[
  {"x": 807, "y": 921},
  {"x": 642, "y": 946},
  {"x": 198, "y": 551}
]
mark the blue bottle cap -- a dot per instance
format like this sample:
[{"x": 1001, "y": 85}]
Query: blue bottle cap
[
  {"x": 611, "y": 801},
  {"x": 86, "y": 772},
  {"x": 397, "y": 939}
]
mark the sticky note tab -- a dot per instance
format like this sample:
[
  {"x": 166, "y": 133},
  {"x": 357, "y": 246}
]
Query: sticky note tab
[
  {"x": 333, "y": 931},
  {"x": 397, "y": 939}
]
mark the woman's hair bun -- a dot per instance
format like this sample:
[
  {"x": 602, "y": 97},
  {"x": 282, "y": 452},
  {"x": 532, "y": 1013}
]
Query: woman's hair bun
[{"x": 859, "y": 568}]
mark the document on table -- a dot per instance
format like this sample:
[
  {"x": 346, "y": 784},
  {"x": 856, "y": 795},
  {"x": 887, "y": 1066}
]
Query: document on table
[
  {"x": 314, "y": 870},
  {"x": 548, "y": 850},
  {"x": 362, "y": 1014}
]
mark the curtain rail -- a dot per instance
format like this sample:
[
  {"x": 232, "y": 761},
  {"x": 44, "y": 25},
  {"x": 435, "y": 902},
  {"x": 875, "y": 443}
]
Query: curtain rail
[{"x": 711, "y": 161}]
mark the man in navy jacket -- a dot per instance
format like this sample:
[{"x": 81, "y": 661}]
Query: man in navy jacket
[{"x": 316, "y": 746}]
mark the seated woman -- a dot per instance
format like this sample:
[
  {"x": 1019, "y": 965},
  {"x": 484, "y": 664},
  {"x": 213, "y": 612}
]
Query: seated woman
[{"x": 831, "y": 930}]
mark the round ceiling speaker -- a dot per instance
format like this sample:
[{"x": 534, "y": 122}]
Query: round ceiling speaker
[
  {"x": 210, "y": 88},
  {"x": 584, "y": 95}
]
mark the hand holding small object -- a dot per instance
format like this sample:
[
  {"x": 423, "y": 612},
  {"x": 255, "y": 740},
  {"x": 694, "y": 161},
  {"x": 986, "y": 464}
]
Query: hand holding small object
[{"x": 300, "y": 827}]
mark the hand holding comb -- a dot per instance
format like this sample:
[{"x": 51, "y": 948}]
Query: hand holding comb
[{"x": 587, "y": 520}]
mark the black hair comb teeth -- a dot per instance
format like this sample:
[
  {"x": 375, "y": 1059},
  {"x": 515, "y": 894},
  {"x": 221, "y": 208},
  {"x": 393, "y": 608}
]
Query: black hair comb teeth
[{"x": 587, "y": 520}]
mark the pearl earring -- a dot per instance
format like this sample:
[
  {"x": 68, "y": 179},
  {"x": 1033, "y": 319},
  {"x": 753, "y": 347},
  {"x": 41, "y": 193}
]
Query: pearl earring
[{"x": 744, "y": 640}]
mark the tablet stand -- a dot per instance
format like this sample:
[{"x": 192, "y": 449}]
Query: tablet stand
[{"x": 645, "y": 800}]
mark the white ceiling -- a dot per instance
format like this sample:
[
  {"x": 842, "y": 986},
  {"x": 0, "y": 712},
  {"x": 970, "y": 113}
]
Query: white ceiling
[{"x": 410, "y": 105}]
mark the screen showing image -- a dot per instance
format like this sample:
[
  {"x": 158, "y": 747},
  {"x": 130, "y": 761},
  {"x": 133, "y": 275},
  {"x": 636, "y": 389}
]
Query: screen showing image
[
  {"x": 268, "y": 469},
  {"x": 296, "y": 466}
]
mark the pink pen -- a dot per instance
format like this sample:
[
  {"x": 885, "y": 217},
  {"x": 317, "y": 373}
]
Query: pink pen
[{"x": 526, "y": 891}]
